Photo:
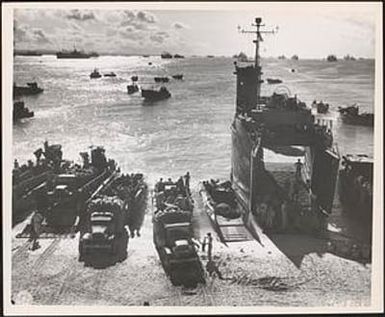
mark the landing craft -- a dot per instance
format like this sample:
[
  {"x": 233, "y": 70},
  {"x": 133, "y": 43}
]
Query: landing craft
[
  {"x": 119, "y": 202},
  {"x": 20, "y": 111},
  {"x": 32, "y": 88},
  {"x": 173, "y": 233},
  {"x": 62, "y": 196}
]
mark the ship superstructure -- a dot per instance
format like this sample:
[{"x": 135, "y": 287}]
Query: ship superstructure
[
  {"x": 281, "y": 124},
  {"x": 74, "y": 54}
]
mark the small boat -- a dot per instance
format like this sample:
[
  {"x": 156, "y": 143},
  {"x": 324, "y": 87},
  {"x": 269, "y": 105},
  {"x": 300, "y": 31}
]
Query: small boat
[
  {"x": 161, "y": 79},
  {"x": 134, "y": 78},
  {"x": 31, "y": 89},
  {"x": 210, "y": 56},
  {"x": 132, "y": 88},
  {"x": 178, "y": 56},
  {"x": 166, "y": 55},
  {"x": 20, "y": 111},
  {"x": 28, "y": 53},
  {"x": 295, "y": 58},
  {"x": 95, "y": 74},
  {"x": 282, "y": 57},
  {"x": 351, "y": 115},
  {"x": 111, "y": 74},
  {"x": 273, "y": 81},
  {"x": 321, "y": 107},
  {"x": 331, "y": 58},
  {"x": 155, "y": 95},
  {"x": 145, "y": 56},
  {"x": 177, "y": 76}
]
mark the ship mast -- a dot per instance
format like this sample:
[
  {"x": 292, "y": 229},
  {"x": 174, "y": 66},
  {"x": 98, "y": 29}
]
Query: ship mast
[{"x": 257, "y": 65}]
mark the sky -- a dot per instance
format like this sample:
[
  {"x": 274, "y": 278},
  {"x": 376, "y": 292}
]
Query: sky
[{"x": 308, "y": 31}]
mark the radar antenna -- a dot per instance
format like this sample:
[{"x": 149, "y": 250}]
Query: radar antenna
[
  {"x": 258, "y": 33},
  {"x": 259, "y": 38}
]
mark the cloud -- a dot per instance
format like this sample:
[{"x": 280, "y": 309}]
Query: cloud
[
  {"x": 25, "y": 34},
  {"x": 179, "y": 25},
  {"x": 40, "y": 37},
  {"x": 159, "y": 37},
  {"x": 20, "y": 32},
  {"x": 81, "y": 15},
  {"x": 140, "y": 20},
  {"x": 145, "y": 17},
  {"x": 130, "y": 33}
]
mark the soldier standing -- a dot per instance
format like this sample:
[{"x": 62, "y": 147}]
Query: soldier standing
[
  {"x": 208, "y": 240},
  {"x": 298, "y": 169},
  {"x": 36, "y": 223}
]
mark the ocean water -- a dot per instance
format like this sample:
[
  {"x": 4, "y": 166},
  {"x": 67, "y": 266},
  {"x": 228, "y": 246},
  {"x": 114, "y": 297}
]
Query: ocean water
[{"x": 188, "y": 132}]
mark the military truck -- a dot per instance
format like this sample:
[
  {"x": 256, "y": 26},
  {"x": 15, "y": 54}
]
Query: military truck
[
  {"x": 173, "y": 235},
  {"x": 119, "y": 201},
  {"x": 104, "y": 229}
]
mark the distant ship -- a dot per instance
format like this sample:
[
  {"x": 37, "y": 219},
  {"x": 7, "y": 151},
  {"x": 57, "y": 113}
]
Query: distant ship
[
  {"x": 273, "y": 81},
  {"x": 281, "y": 124},
  {"x": 28, "y": 53},
  {"x": 166, "y": 55},
  {"x": 178, "y": 56},
  {"x": 164, "y": 79},
  {"x": 295, "y": 57},
  {"x": 178, "y": 76},
  {"x": 241, "y": 57},
  {"x": 331, "y": 58},
  {"x": 349, "y": 58},
  {"x": 110, "y": 74},
  {"x": 73, "y": 54}
]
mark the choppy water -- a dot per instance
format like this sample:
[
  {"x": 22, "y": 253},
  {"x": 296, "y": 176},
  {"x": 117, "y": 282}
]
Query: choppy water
[{"x": 189, "y": 131}]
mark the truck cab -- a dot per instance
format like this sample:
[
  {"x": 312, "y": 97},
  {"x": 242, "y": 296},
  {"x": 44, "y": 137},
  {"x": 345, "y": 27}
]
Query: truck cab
[
  {"x": 100, "y": 236},
  {"x": 178, "y": 242},
  {"x": 104, "y": 232}
]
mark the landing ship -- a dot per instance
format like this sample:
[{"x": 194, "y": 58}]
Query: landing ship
[{"x": 284, "y": 125}]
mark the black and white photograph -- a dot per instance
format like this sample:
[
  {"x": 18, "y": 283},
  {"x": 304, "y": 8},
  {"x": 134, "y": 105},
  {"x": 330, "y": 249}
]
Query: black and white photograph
[{"x": 213, "y": 157}]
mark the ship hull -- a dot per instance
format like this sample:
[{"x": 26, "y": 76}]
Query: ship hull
[
  {"x": 254, "y": 184},
  {"x": 367, "y": 121},
  {"x": 77, "y": 56}
]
